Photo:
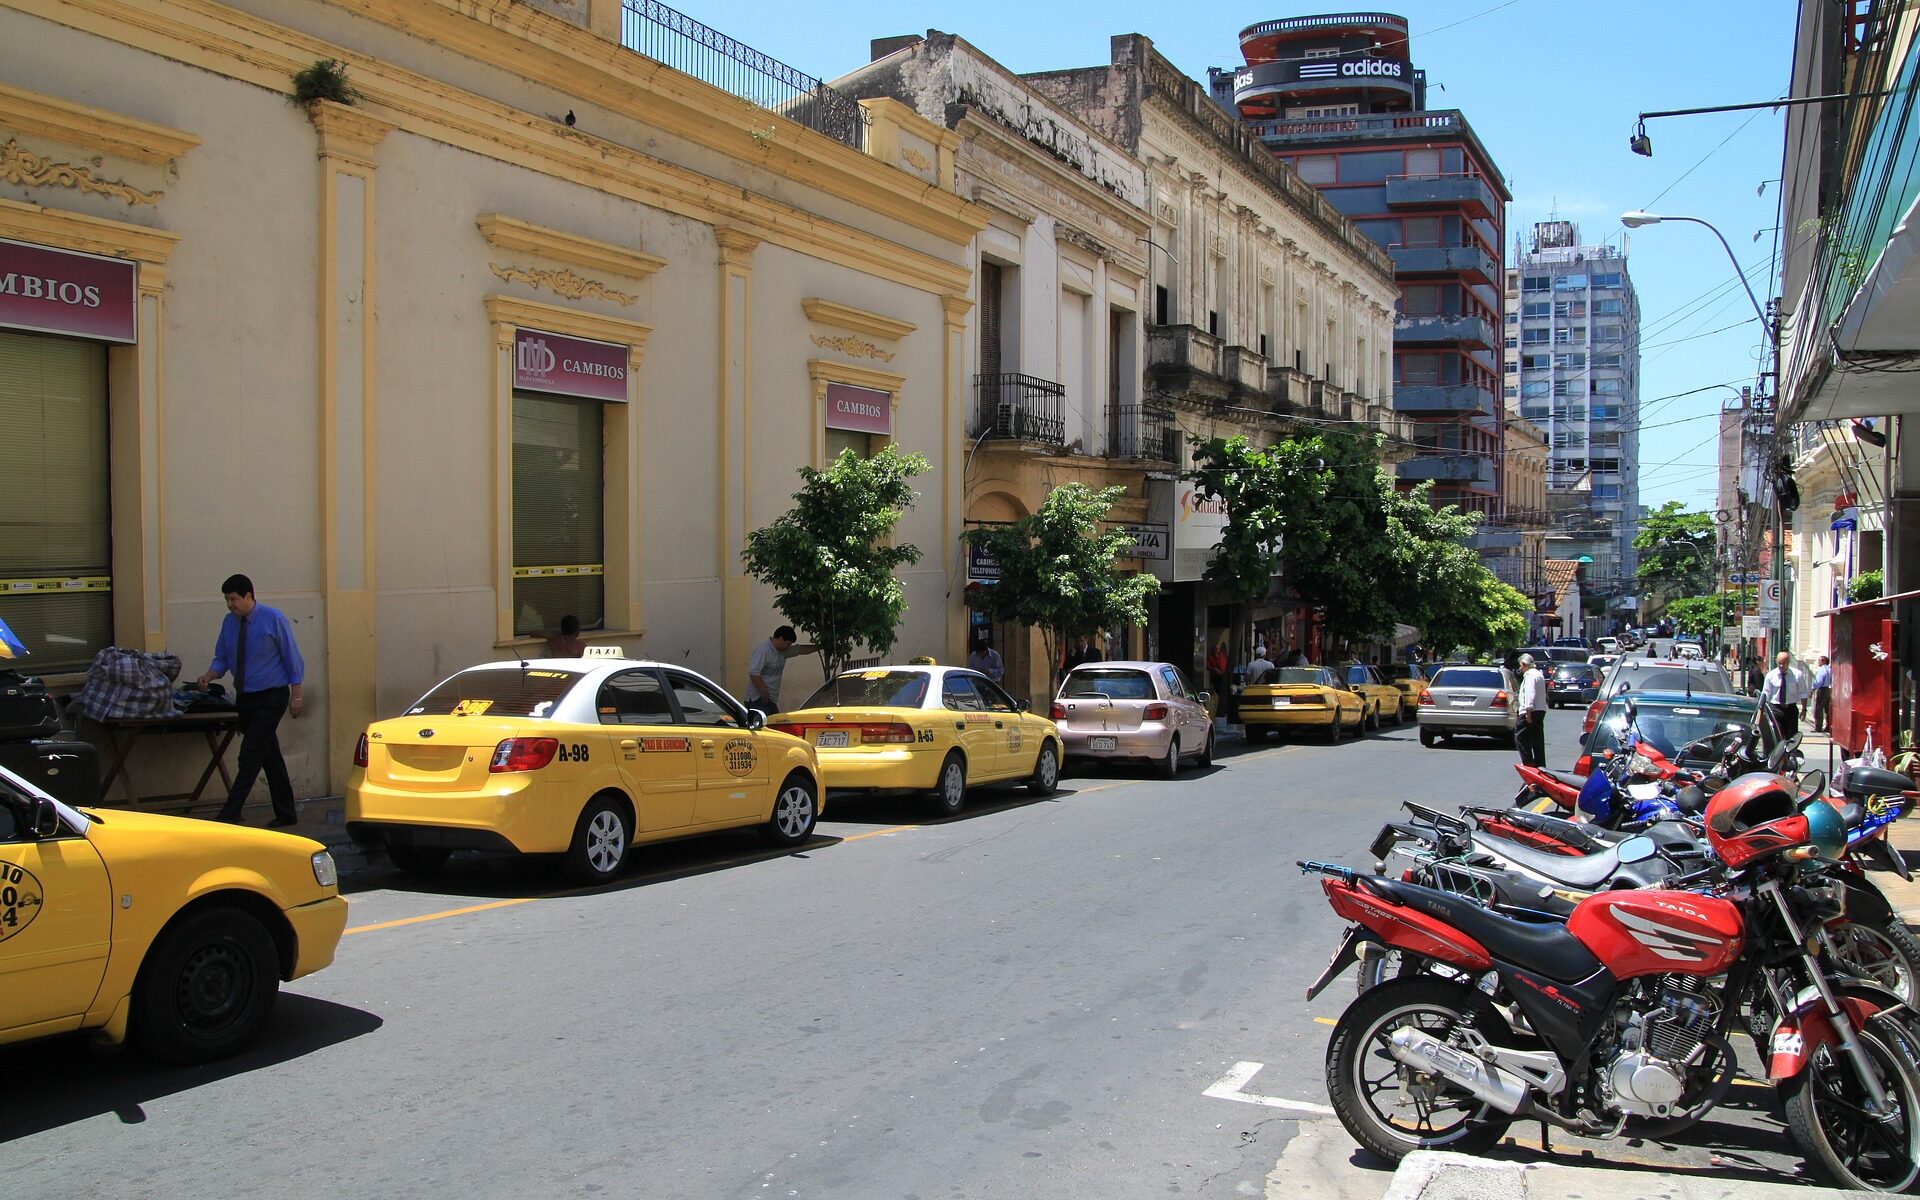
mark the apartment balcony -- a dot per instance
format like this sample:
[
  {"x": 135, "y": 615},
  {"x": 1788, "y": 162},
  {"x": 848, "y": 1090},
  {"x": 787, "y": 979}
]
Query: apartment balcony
[
  {"x": 1291, "y": 389},
  {"x": 1446, "y": 399},
  {"x": 1471, "y": 194},
  {"x": 1305, "y": 131},
  {"x": 1471, "y": 261},
  {"x": 1245, "y": 369},
  {"x": 1178, "y": 353},
  {"x": 1494, "y": 538},
  {"x": 1145, "y": 432},
  {"x": 1473, "y": 331},
  {"x": 1021, "y": 408},
  {"x": 1451, "y": 467}
]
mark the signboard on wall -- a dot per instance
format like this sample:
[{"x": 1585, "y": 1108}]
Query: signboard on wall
[
  {"x": 1195, "y": 525},
  {"x": 862, "y": 410},
  {"x": 44, "y": 290},
  {"x": 568, "y": 366},
  {"x": 1151, "y": 540}
]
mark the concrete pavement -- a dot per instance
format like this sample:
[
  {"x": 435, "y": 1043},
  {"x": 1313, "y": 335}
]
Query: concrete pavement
[{"x": 1434, "y": 1175}]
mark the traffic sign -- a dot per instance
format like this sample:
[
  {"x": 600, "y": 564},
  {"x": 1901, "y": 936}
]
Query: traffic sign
[
  {"x": 1751, "y": 626},
  {"x": 1771, "y": 593},
  {"x": 1743, "y": 578}
]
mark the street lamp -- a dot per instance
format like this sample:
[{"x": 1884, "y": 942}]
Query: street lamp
[{"x": 1637, "y": 218}]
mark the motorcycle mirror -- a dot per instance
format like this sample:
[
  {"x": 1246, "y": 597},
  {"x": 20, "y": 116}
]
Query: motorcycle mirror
[
  {"x": 1638, "y": 849},
  {"x": 1813, "y": 786},
  {"x": 1633, "y": 712}
]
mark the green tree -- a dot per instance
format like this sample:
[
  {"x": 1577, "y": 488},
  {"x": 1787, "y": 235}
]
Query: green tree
[
  {"x": 1867, "y": 585},
  {"x": 1699, "y": 614},
  {"x": 1057, "y": 570},
  {"x": 1676, "y": 550},
  {"x": 831, "y": 559}
]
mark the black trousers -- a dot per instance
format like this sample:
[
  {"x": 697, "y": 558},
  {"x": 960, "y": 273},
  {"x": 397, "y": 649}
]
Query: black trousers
[
  {"x": 260, "y": 714},
  {"x": 1787, "y": 716},
  {"x": 1531, "y": 738},
  {"x": 1822, "y": 709}
]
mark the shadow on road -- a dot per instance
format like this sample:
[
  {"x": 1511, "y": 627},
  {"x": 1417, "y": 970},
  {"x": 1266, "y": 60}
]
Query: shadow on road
[{"x": 94, "y": 1083}]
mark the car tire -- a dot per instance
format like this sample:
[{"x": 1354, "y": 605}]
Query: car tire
[
  {"x": 1206, "y": 752},
  {"x": 1169, "y": 764},
  {"x": 795, "y": 810},
  {"x": 1336, "y": 729},
  {"x": 418, "y": 860},
  {"x": 950, "y": 787},
  {"x": 206, "y": 987},
  {"x": 1428, "y": 737},
  {"x": 601, "y": 839},
  {"x": 1045, "y": 780}
]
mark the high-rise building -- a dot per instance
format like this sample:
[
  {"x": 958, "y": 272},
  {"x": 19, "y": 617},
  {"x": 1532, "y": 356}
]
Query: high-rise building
[
  {"x": 1336, "y": 96},
  {"x": 1573, "y": 365}
]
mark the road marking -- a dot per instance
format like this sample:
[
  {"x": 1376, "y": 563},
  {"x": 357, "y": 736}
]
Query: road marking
[
  {"x": 1325, "y": 1021},
  {"x": 1231, "y": 1085},
  {"x": 861, "y": 837},
  {"x": 439, "y": 916}
]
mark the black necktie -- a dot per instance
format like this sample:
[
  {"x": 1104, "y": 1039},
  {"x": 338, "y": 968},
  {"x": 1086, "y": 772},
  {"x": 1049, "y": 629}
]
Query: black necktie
[{"x": 240, "y": 660}]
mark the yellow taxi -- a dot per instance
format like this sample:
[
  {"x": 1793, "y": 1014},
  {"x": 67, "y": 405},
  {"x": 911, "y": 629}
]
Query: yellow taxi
[
  {"x": 171, "y": 933},
  {"x": 1384, "y": 702},
  {"x": 1411, "y": 679},
  {"x": 583, "y": 758},
  {"x": 924, "y": 728},
  {"x": 1297, "y": 698}
]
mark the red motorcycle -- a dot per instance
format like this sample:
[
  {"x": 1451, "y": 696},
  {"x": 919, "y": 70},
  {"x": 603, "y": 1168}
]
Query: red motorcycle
[{"x": 1622, "y": 1014}]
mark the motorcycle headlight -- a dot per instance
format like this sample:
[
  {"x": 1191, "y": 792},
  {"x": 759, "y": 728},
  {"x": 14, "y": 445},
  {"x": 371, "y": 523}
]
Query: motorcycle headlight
[{"x": 1641, "y": 765}]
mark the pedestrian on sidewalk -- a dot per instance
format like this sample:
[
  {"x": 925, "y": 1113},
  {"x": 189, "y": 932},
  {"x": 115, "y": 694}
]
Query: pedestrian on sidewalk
[
  {"x": 1823, "y": 696},
  {"x": 1260, "y": 667},
  {"x": 1531, "y": 736},
  {"x": 256, "y": 644},
  {"x": 1781, "y": 694}
]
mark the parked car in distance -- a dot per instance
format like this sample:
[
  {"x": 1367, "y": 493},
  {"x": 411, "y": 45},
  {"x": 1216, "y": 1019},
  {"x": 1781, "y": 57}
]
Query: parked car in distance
[
  {"x": 1687, "y": 649},
  {"x": 1410, "y": 678},
  {"x": 1383, "y": 698},
  {"x": 1136, "y": 710},
  {"x": 1640, "y": 674},
  {"x": 1300, "y": 697},
  {"x": 1668, "y": 720},
  {"x": 1468, "y": 700},
  {"x": 1601, "y": 663},
  {"x": 1572, "y": 683},
  {"x": 1607, "y": 645},
  {"x": 1571, "y": 641}
]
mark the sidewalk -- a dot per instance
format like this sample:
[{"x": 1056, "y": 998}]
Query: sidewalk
[{"x": 1437, "y": 1175}]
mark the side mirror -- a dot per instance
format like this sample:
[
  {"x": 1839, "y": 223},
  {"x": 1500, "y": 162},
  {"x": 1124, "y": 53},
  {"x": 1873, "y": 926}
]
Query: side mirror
[
  {"x": 756, "y": 719},
  {"x": 45, "y": 819},
  {"x": 1022, "y": 705},
  {"x": 1203, "y": 697},
  {"x": 1638, "y": 849}
]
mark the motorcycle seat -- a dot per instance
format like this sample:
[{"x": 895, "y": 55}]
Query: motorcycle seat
[
  {"x": 1585, "y": 872},
  {"x": 1853, "y": 814},
  {"x": 1542, "y": 947},
  {"x": 1567, "y": 778}
]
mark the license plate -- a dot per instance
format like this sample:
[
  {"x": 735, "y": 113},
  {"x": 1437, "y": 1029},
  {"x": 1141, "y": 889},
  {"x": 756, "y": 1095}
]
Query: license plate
[
  {"x": 1282, "y": 702},
  {"x": 1462, "y": 701},
  {"x": 834, "y": 737},
  {"x": 1100, "y": 743}
]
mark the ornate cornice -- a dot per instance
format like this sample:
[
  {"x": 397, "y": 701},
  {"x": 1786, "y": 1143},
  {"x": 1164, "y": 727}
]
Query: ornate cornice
[
  {"x": 537, "y": 314},
  {"x": 955, "y": 309},
  {"x": 91, "y": 235},
  {"x": 859, "y": 320},
  {"x": 822, "y": 370},
  {"x": 736, "y": 246},
  {"x": 346, "y": 132},
  {"x": 511, "y": 233},
  {"x": 851, "y": 346},
  {"x": 91, "y": 128},
  {"x": 562, "y": 282},
  {"x": 22, "y": 166}
]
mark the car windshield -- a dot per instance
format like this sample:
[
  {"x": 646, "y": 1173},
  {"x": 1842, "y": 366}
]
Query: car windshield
[
  {"x": 1668, "y": 726},
  {"x": 1704, "y": 678},
  {"x": 879, "y": 688},
  {"x": 497, "y": 692},
  {"x": 1573, "y": 671},
  {"x": 1115, "y": 683},
  {"x": 1471, "y": 677},
  {"x": 1298, "y": 675}
]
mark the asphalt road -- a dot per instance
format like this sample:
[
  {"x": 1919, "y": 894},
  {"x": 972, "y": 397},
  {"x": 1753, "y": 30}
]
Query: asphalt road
[{"x": 1035, "y": 998}]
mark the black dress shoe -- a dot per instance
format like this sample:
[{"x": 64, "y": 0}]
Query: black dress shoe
[{"x": 279, "y": 822}]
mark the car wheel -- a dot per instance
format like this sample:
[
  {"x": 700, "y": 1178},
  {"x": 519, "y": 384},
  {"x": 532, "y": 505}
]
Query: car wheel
[
  {"x": 206, "y": 988},
  {"x": 1169, "y": 764},
  {"x": 794, "y": 813},
  {"x": 601, "y": 839},
  {"x": 950, "y": 791},
  {"x": 1206, "y": 752},
  {"x": 1045, "y": 779},
  {"x": 418, "y": 860},
  {"x": 1333, "y": 734},
  {"x": 1427, "y": 737}
]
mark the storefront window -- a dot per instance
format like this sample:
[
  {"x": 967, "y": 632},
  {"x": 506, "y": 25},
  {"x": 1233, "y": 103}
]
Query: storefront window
[{"x": 559, "y": 517}]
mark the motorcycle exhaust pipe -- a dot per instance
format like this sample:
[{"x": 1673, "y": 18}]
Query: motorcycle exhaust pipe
[{"x": 1424, "y": 1052}]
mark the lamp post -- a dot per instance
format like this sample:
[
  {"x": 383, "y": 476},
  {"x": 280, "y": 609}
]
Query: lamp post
[{"x": 1634, "y": 220}]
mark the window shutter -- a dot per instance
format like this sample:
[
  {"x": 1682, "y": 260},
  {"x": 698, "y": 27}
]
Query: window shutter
[{"x": 559, "y": 512}]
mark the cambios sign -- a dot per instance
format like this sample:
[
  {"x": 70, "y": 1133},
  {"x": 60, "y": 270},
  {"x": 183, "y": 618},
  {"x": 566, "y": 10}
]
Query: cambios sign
[{"x": 58, "y": 291}]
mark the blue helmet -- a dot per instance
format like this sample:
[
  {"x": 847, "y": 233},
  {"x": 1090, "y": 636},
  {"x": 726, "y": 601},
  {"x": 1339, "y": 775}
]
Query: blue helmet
[
  {"x": 1826, "y": 829},
  {"x": 1596, "y": 795}
]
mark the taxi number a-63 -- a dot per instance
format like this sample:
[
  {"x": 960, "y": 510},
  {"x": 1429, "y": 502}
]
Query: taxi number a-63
[{"x": 832, "y": 737}]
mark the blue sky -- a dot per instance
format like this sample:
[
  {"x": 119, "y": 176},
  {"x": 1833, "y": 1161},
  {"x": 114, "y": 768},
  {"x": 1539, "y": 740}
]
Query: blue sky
[{"x": 1552, "y": 88}]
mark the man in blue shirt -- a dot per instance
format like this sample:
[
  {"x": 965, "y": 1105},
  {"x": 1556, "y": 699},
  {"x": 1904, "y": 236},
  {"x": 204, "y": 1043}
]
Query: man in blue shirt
[
  {"x": 256, "y": 644},
  {"x": 1823, "y": 697}
]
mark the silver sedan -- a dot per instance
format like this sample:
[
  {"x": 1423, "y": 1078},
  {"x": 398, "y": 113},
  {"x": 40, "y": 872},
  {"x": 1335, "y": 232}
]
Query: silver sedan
[{"x": 1135, "y": 710}]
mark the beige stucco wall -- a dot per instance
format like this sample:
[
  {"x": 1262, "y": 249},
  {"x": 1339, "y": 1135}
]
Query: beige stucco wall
[{"x": 259, "y": 461}]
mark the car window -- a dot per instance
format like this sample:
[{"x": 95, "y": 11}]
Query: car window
[
  {"x": 12, "y": 822},
  {"x": 1115, "y": 683},
  {"x": 993, "y": 697},
  {"x": 498, "y": 693},
  {"x": 1301, "y": 675},
  {"x": 1356, "y": 674},
  {"x": 958, "y": 692},
  {"x": 1705, "y": 678},
  {"x": 1667, "y": 726},
  {"x": 878, "y": 688},
  {"x": 1474, "y": 677},
  {"x": 702, "y": 705},
  {"x": 634, "y": 698},
  {"x": 1176, "y": 683}
]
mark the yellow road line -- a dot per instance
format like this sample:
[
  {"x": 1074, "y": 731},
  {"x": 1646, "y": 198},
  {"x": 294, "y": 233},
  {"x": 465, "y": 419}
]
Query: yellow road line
[
  {"x": 861, "y": 837},
  {"x": 452, "y": 912},
  {"x": 1325, "y": 1021}
]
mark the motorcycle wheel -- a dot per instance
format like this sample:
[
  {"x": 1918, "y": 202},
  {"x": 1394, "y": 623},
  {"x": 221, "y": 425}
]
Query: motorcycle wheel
[
  {"x": 1388, "y": 1107},
  {"x": 1825, "y": 1109},
  {"x": 1882, "y": 952}
]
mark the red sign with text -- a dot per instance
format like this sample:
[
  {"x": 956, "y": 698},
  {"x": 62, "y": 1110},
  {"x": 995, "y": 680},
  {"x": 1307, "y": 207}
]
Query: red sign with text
[
  {"x": 569, "y": 366},
  {"x": 58, "y": 291},
  {"x": 862, "y": 410}
]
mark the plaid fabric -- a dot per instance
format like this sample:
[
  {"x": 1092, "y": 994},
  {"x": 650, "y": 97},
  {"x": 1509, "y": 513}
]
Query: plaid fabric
[{"x": 128, "y": 683}]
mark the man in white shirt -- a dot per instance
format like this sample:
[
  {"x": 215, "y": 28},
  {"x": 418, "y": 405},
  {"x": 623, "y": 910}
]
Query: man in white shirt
[
  {"x": 1260, "y": 667},
  {"x": 1531, "y": 735},
  {"x": 1782, "y": 693}
]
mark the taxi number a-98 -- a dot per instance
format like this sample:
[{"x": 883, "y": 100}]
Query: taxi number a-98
[{"x": 572, "y": 752}]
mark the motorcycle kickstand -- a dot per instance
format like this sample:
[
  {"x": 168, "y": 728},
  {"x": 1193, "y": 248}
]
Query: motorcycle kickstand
[{"x": 1546, "y": 1145}]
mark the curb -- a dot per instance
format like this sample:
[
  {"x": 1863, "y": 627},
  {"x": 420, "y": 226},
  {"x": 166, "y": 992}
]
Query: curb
[{"x": 1473, "y": 1177}]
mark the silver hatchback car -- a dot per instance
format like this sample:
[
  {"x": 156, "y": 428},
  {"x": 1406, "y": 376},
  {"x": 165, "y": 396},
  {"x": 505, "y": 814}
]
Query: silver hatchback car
[{"x": 1135, "y": 710}]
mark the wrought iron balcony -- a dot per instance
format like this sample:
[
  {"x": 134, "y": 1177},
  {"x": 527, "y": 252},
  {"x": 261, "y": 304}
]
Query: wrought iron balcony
[
  {"x": 1022, "y": 408},
  {"x": 669, "y": 36},
  {"x": 1139, "y": 431}
]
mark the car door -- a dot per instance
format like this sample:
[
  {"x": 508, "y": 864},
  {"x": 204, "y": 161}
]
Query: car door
[
  {"x": 656, "y": 756},
  {"x": 731, "y": 760},
  {"x": 973, "y": 725},
  {"x": 56, "y": 922},
  {"x": 1191, "y": 718},
  {"x": 1017, "y": 735}
]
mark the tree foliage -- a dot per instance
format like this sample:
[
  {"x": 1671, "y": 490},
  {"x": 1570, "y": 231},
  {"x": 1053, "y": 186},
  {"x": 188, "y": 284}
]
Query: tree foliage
[
  {"x": 1676, "y": 550},
  {"x": 1867, "y": 585},
  {"x": 830, "y": 558},
  {"x": 1698, "y": 614},
  {"x": 1057, "y": 569}
]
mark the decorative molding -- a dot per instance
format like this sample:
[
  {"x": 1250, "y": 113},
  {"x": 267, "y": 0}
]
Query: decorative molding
[
  {"x": 851, "y": 346},
  {"x": 736, "y": 246},
  {"x": 511, "y": 233},
  {"x": 536, "y": 314},
  {"x": 915, "y": 159},
  {"x": 562, "y": 282},
  {"x": 955, "y": 309},
  {"x": 91, "y": 235},
  {"x": 821, "y": 370},
  {"x": 91, "y": 128},
  {"x": 859, "y": 320},
  {"x": 347, "y": 132},
  {"x": 22, "y": 166}
]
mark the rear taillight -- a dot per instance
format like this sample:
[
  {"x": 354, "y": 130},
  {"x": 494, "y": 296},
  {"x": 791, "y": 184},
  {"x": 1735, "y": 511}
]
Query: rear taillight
[
  {"x": 523, "y": 754},
  {"x": 1058, "y": 712},
  {"x": 789, "y": 727},
  {"x": 1499, "y": 699},
  {"x": 1426, "y": 697},
  {"x": 891, "y": 732},
  {"x": 1156, "y": 712},
  {"x": 1593, "y": 714},
  {"x": 360, "y": 752}
]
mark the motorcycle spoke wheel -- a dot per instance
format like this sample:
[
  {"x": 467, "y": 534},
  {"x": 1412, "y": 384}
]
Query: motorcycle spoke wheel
[
  {"x": 1826, "y": 1109},
  {"x": 1886, "y": 956}
]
